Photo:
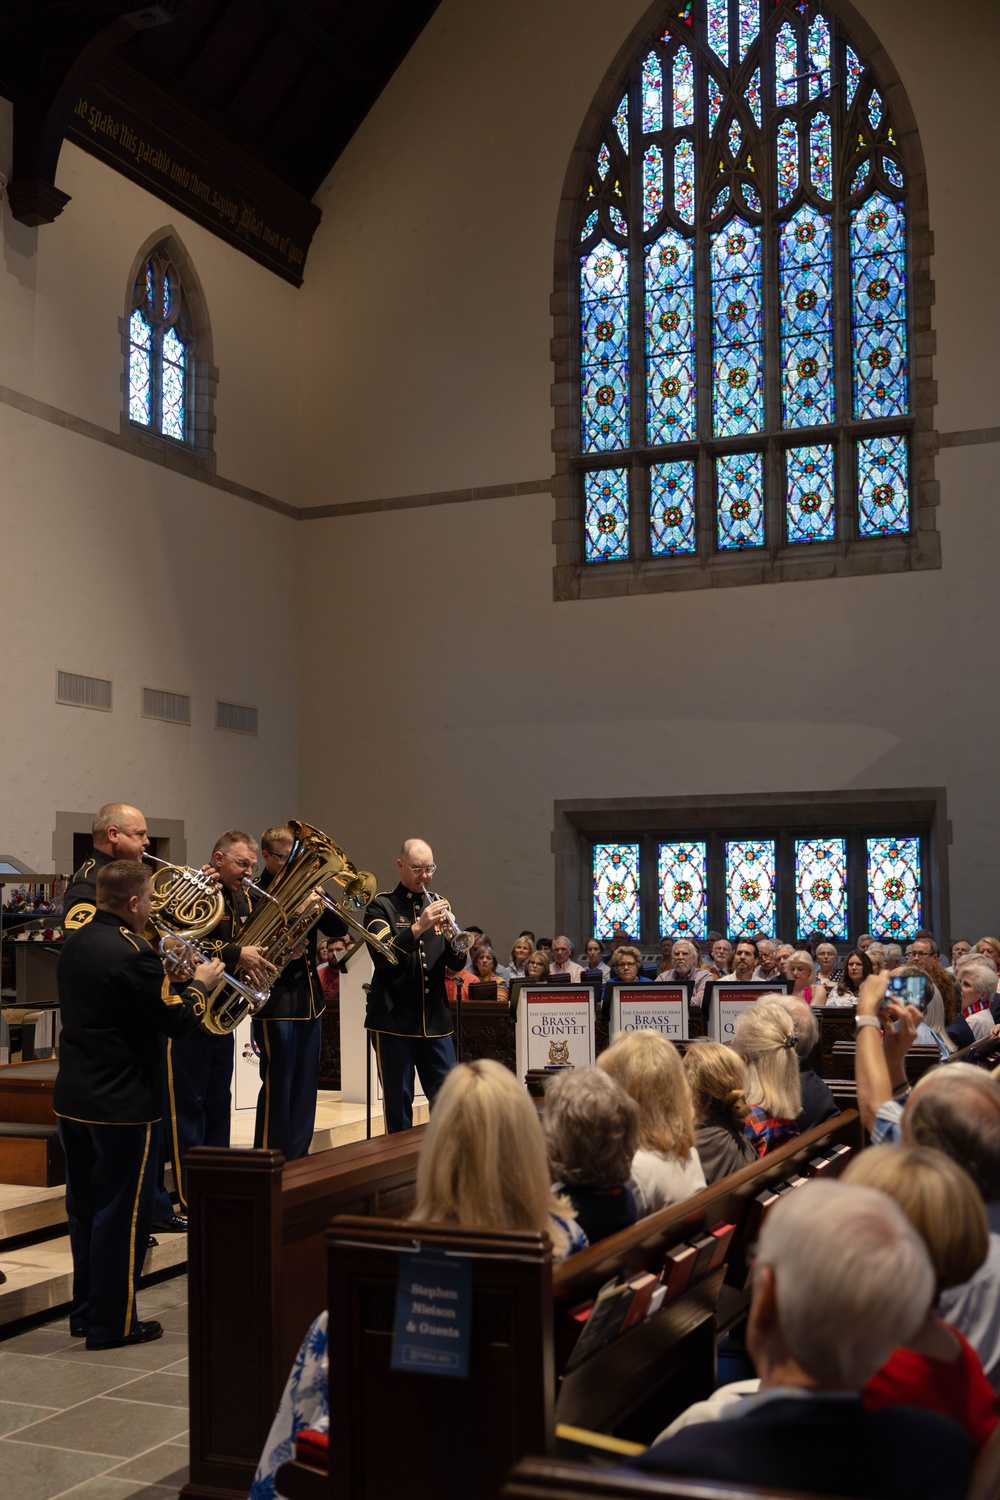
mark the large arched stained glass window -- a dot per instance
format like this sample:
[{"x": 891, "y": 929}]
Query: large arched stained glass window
[
  {"x": 742, "y": 272},
  {"x": 160, "y": 366}
]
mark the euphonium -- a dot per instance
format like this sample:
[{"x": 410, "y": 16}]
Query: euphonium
[
  {"x": 181, "y": 956},
  {"x": 184, "y": 900},
  {"x": 288, "y": 909}
]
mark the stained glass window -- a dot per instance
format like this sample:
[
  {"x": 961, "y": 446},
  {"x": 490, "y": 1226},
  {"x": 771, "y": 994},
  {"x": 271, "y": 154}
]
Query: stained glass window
[
  {"x": 740, "y": 500},
  {"x": 672, "y": 508},
  {"x": 894, "y": 880},
  {"x": 604, "y": 296},
  {"x": 883, "y": 485},
  {"x": 683, "y": 887},
  {"x": 738, "y": 394},
  {"x": 616, "y": 890},
  {"x": 806, "y": 319},
  {"x": 750, "y": 887},
  {"x": 878, "y": 283},
  {"x": 810, "y": 515},
  {"x": 821, "y": 888},
  {"x": 159, "y": 352},
  {"x": 607, "y": 515},
  {"x": 742, "y": 142},
  {"x": 670, "y": 407}
]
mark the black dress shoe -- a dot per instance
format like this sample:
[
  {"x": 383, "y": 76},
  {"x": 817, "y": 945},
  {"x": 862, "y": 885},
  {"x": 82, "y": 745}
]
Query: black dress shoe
[
  {"x": 142, "y": 1333},
  {"x": 175, "y": 1224},
  {"x": 77, "y": 1330}
]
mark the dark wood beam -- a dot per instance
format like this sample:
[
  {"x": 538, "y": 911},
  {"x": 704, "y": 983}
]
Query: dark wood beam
[{"x": 320, "y": 40}]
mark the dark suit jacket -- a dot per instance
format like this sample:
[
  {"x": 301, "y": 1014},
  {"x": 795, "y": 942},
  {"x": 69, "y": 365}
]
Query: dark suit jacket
[
  {"x": 826, "y": 1446},
  {"x": 818, "y": 1104}
]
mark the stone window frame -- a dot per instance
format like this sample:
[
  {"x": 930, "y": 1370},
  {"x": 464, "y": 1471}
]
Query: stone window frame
[
  {"x": 197, "y": 453},
  {"x": 776, "y": 561}
]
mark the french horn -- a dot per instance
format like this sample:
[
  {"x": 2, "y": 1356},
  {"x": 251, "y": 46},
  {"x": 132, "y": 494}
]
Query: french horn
[{"x": 185, "y": 901}]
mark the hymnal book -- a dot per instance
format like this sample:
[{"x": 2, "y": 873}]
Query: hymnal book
[
  {"x": 819, "y": 1166},
  {"x": 678, "y": 1264},
  {"x": 764, "y": 1200},
  {"x": 643, "y": 1284},
  {"x": 839, "y": 1157},
  {"x": 704, "y": 1244},
  {"x": 604, "y": 1323},
  {"x": 656, "y": 1300},
  {"x": 722, "y": 1235}
]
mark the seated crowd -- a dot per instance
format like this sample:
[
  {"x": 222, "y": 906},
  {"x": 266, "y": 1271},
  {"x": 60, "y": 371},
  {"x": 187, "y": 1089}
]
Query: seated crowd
[{"x": 874, "y": 1323}]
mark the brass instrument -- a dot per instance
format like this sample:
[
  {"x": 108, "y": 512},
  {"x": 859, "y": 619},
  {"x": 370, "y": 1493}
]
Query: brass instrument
[
  {"x": 289, "y": 909},
  {"x": 185, "y": 901},
  {"x": 181, "y": 957},
  {"x": 449, "y": 929}
]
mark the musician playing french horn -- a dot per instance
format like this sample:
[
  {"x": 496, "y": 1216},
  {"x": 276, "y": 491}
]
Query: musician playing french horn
[
  {"x": 407, "y": 1006},
  {"x": 287, "y": 1032},
  {"x": 200, "y": 1065}
]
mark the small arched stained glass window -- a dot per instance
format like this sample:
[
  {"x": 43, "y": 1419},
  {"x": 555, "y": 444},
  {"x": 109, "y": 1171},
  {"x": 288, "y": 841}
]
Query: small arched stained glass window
[
  {"x": 744, "y": 295},
  {"x": 160, "y": 352}
]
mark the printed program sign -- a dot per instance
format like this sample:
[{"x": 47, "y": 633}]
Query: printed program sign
[
  {"x": 726, "y": 1003},
  {"x": 651, "y": 1007},
  {"x": 555, "y": 1027},
  {"x": 433, "y": 1314}
]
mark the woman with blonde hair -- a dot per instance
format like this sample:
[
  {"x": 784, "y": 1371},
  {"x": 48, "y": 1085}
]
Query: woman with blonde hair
[
  {"x": 800, "y": 968},
  {"x": 537, "y": 964},
  {"x": 765, "y": 1038},
  {"x": 665, "y": 1167},
  {"x": 936, "y": 1369},
  {"x": 718, "y": 1080}
]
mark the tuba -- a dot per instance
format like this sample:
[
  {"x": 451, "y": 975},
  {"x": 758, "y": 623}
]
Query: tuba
[
  {"x": 185, "y": 901},
  {"x": 289, "y": 908}
]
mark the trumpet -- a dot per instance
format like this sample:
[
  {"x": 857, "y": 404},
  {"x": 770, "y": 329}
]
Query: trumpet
[
  {"x": 181, "y": 957},
  {"x": 449, "y": 929}
]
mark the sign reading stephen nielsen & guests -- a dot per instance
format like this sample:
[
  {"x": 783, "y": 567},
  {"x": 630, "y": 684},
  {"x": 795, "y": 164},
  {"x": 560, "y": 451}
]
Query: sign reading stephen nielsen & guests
[{"x": 130, "y": 124}]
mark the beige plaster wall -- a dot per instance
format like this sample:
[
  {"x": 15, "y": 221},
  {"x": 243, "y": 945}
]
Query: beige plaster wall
[{"x": 475, "y": 701}]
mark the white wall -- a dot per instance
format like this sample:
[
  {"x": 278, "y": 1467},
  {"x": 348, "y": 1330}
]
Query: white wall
[
  {"x": 117, "y": 567},
  {"x": 461, "y": 702}
]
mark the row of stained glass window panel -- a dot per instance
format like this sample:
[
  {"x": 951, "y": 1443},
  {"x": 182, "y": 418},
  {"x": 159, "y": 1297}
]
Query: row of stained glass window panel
[
  {"x": 810, "y": 509},
  {"x": 880, "y": 379},
  {"x": 893, "y": 875}
]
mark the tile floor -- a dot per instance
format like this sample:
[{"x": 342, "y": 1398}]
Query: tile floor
[{"x": 108, "y": 1425}]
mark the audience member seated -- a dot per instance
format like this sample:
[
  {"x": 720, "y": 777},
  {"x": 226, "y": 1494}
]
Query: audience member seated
[
  {"x": 818, "y": 1104},
  {"x": 931, "y": 1031},
  {"x": 722, "y": 956},
  {"x": 768, "y": 966},
  {"x": 827, "y": 959},
  {"x": 592, "y": 1130},
  {"x": 665, "y": 1167},
  {"x": 488, "y": 972},
  {"x": 595, "y": 962},
  {"x": 765, "y": 1039},
  {"x": 936, "y": 1368},
  {"x": 857, "y": 967},
  {"x": 626, "y": 962},
  {"x": 483, "y": 1163},
  {"x": 718, "y": 1080},
  {"x": 800, "y": 968},
  {"x": 893, "y": 955},
  {"x": 784, "y": 953},
  {"x": 959, "y": 949},
  {"x": 841, "y": 1280},
  {"x": 879, "y": 959},
  {"x": 562, "y": 960},
  {"x": 685, "y": 963},
  {"x": 536, "y": 965},
  {"x": 743, "y": 964},
  {"x": 977, "y": 981},
  {"x": 521, "y": 950}
]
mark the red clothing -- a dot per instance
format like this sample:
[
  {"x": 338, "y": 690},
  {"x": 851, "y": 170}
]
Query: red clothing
[{"x": 954, "y": 1388}]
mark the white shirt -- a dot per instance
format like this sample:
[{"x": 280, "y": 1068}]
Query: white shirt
[
  {"x": 661, "y": 1180},
  {"x": 974, "y": 1309},
  {"x": 571, "y": 970}
]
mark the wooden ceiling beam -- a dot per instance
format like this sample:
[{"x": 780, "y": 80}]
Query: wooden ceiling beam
[{"x": 332, "y": 51}]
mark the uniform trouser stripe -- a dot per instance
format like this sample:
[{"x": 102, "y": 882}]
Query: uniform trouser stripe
[{"x": 131, "y": 1248}]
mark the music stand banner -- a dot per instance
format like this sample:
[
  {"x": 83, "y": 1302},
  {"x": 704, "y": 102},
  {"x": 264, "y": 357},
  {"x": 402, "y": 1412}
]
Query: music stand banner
[
  {"x": 726, "y": 1003},
  {"x": 651, "y": 1007},
  {"x": 555, "y": 1026}
]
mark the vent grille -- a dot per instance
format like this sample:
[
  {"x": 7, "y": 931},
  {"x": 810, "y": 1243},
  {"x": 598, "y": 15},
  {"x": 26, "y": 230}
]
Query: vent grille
[
  {"x": 83, "y": 692},
  {"x": 238, "y": 717},
  {"x": 175, "y": 708}
]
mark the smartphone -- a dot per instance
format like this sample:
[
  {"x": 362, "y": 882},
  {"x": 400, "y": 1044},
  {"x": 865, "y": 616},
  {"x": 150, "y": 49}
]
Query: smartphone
[{"x": 909, "y": 989}]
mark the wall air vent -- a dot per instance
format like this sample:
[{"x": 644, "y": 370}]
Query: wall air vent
[
  {"x": 83, "y": 692},
  {"x": 237, "y": 717},
  {"x": 175, "y": 708}
]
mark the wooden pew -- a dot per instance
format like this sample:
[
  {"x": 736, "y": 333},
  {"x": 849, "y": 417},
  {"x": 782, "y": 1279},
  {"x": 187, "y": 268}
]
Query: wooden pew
[
  {"x": 557, "y": 1479},
  {"x": 630, "y": 1388},
  {"x": 257, "y": 1279}
]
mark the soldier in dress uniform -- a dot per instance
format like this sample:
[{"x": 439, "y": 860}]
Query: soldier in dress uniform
[
  {"x": 115, "y": 1000},
  {"x": 287, "y": 1032},
  {"x": 407, "y": 1006},
  {"x": 200, "y": 1065},
  {"x": 119, "y": 832}
]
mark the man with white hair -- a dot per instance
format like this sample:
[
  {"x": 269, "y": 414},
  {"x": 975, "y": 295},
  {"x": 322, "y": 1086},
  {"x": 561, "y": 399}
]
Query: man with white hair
[
  {"x": 684, "y": 965},
  {"x": 562, "y": 960},
  {"x": 841, "y": 1279},
  {"x": 768, "y": 966}
]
